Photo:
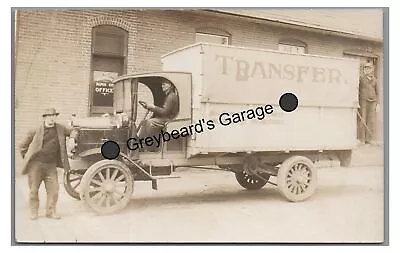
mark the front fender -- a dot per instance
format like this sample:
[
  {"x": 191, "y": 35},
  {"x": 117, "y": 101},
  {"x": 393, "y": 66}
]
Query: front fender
[
  {"x": 97, "y": 151},
  {"x": 90, "y": 152},
  {"x": 87, "y": 158}
]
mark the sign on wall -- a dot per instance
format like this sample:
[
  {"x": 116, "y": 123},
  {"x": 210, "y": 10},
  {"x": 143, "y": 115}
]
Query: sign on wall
[{"x": 103, "y": 88}]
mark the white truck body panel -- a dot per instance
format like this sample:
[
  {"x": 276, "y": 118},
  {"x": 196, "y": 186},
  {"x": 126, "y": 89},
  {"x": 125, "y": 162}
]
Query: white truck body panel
[{"x": 232, "y": 79}]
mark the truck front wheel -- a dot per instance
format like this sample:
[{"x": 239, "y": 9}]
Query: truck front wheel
[
  {"x": 72, "y": 180},
  {"x": 107, "y": 186}
]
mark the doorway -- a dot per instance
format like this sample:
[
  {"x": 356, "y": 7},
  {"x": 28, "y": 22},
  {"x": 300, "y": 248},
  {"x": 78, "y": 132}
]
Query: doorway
[{"x": 363, "y": 60}]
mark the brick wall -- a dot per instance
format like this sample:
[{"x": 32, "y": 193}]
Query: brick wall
[
  {"x": 54, "y": 51},
  {"x": 362, "y": 21}
]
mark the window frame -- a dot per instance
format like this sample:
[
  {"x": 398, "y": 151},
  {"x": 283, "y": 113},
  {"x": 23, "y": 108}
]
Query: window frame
[
  {"x": 214, "y": 35},
  {"x": 95, "y": 109},
  {"x": 212, "y": 31},
  {"x": 293, "y": 43}
]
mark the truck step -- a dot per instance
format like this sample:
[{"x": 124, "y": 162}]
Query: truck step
[{"x": 154, "y": 184}]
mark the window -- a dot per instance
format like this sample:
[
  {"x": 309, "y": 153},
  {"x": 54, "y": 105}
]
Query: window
[
  {"x": 212, "y": 38},
  {"x": 292, "y": 46},
  {"x": 291, "y": 49},
  {"x": 212, "y": 35},
  {"x": 109, "y": 51}
]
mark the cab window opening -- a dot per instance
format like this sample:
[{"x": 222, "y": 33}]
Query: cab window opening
[{"x": 154, "y": 84}]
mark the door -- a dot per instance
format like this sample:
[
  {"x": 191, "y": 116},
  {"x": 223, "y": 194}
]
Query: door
[{"x": 363, "y": 60}]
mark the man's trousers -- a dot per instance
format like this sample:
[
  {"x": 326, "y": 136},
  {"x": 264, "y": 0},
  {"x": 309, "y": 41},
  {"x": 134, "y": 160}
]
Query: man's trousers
[
  {"x": 47, "y": 172},
  {"x": 368, "y": 114}
]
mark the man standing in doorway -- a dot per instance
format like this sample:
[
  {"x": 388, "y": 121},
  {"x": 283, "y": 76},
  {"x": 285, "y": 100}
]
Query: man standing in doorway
[
  {"x": 369, "y": 104},
  {"x": 43, "y": 150}
]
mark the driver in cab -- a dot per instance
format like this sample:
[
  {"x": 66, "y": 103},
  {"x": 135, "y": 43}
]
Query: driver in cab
[{"x": 161, "y": 115}]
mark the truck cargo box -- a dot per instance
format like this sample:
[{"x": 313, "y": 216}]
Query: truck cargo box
[{"x": 228, "y": 79}]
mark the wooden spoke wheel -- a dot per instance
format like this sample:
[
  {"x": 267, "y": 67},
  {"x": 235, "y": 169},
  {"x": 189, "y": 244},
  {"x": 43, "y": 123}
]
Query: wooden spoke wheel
[
  {"x": 251, "y": 182},
  {"x": 297, "y": 178},
  {"x": 107, "y": 186},
  {"x": 72, "y": 181}
]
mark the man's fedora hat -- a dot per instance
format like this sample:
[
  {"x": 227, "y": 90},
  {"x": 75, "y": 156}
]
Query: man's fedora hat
[{"x": 50, "y": 111}]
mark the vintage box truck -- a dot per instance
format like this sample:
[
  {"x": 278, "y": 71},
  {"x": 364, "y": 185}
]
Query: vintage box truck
[{"x": 230, "y": 98}]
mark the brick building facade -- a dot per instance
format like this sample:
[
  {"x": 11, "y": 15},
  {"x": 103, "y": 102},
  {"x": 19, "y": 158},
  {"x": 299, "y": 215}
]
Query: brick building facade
[{"x": 57, "y": 51}]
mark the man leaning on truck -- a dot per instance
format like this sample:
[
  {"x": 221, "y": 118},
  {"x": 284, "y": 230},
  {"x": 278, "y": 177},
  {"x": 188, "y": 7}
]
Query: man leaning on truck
[{"x": 43, "y": 150}]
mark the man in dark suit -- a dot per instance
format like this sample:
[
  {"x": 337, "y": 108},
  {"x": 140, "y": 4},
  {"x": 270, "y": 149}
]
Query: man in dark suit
[
  {"x": 369, "y": 103},
  {"x": 43, "y": 150}
]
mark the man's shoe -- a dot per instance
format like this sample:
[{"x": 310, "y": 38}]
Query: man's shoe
[
  {"x": 373, "y": 143},
  {"x": 34, "y": 216},
  {"x": 360, "y": 142},
  {"x": 53, "y": 216}
]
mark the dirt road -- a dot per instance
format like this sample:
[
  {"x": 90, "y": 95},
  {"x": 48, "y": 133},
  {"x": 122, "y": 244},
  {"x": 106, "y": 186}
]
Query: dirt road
[{"x": 210, "y": 206}]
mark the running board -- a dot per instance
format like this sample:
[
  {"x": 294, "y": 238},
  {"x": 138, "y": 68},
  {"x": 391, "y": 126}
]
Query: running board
[{"x": 153, "y": 179}]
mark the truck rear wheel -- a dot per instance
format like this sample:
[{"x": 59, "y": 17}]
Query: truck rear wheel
[
  {"x": 297, "y": 178},
  {"x": 251, "y": 182},
  {"x": 107, "y": 186}
]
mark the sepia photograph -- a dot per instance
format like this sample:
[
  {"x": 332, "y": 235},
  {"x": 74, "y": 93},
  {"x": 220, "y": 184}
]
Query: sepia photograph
[{"x": 212, "y": 125}]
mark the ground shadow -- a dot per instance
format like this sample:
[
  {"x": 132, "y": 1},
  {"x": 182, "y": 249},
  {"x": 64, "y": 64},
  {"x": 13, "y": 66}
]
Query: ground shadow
[
  {"x": 339, "y": 190},
  {"x": 200, "y": 198}
]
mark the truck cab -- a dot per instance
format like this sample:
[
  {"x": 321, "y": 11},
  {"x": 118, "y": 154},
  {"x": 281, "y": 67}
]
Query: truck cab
[{"x": 128, "y": 115}]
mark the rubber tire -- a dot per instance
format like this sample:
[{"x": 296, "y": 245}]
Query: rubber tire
[
  {"x": 282, "y": 177},
  {"x": 93, "y": 171},
  {"x": 68, "y": 188},
  {"x": 243, "y": 180}
]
